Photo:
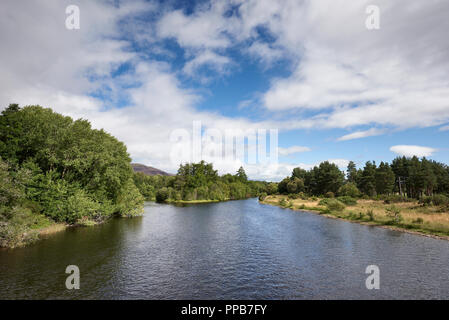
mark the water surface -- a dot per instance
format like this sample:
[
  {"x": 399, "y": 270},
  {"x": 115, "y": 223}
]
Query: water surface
[{"x": 229, "y": 250}]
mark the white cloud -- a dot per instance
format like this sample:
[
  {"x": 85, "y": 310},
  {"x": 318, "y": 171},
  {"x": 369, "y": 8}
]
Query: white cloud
[
  {"x": 341, "y": 163},
  {"x": 211, "y": 59},
  {"x": 361, "y": 134},
  {"x": 346, "y": 75},
  {"x": 352, "y": 76},
  {"x": 292, "y": 150},
  {"x": 410, "y": 150},
  {"x": 444, "y": 128}
]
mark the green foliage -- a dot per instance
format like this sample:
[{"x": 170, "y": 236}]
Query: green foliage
[
  {"x": 65, "y": 169},
  {"x": 329, "y": 194},
  {"x": 16, "y": 220},
  {"x": 262, "y": 196},
  {"x": 272, "y": 188},
  {"x": 283, "y": 202},
  {"x": 412, "y": 178},
  {"x": 350, "y": 190},
  {"x": 162, "y": 195},
  {"x": 439, "y": 200},
  {"x": 199, "y": 181},
  {"x": 242, "y": 175},
  {"x": 349, "y": 201},
  {"x": 332, "y": 204}
]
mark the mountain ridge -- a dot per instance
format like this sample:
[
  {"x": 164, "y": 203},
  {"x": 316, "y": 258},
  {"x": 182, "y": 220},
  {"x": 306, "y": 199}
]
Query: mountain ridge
[{"x": 149, "y": 171}]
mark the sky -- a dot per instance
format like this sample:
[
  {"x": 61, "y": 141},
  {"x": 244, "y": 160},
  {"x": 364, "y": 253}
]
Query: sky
[{"x": 334, "y": 89}]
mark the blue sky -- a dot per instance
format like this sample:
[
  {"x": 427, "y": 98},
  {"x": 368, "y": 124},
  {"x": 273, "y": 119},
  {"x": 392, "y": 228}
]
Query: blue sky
[{"x": 334, "y": 89}]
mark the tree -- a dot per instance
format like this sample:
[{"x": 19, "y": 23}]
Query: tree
[
  {"x": 282, "y": 186},
  {"x": 385, "y": 179},
  {"x": 242, "y": 175},
  {"x": 351, "y": 172},
  {"x": 367, "y": 182},
  {"x": 69, "y": 159},
  {"x": 328, "y": 178}
]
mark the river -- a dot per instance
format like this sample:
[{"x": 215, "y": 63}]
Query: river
[{"x": 228, "y": 250}]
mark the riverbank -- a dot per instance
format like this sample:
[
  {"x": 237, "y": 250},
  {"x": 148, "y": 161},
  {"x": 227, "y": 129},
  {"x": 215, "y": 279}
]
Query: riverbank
[
  {"x": 192, "y": 201},
  {"x": 415, "y": 218}
]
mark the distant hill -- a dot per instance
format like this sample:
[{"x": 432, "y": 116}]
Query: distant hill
[{"x": 150, "y": 171}]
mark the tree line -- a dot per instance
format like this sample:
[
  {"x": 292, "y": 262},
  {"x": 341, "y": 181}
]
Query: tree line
[
  {"x": 198, "y": 181},
  {"x": 407, "y": 177}
]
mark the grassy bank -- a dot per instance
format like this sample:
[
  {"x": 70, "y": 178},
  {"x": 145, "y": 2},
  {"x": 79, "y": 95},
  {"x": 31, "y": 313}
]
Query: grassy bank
[
  {"x": 411, "y": 216},
  {"x": 192, "y": 201}
]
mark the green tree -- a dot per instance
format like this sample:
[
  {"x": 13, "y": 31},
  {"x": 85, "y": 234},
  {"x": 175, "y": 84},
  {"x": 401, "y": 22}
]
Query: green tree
[
  {"x": 241, "y": 174},
  {"x": 328, "y": 178},
  {"x": 351, "y": 172},
  {"x": 367, "y": 182},
  {"x": 385, "y": 179}
]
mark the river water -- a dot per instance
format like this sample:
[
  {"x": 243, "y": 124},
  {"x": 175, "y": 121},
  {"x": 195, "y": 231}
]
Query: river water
[{"x": 228, "y": 250}]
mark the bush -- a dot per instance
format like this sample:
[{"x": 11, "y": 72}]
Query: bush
[
  {"x": 349, "y": 201},
  {"x": 394, "y": 213},
  {"x": 427, "y": 201},
  {"x": 302, "y": 196},
  {"x": 350, "y": 190},
  {"x": 262, "y": 196},
  {"x": 283, "y": 202},
  {"x": 162, "y": 195},
  {"x": 332, "y": 204},
  {"x": 329, "y": 194},
  {"x": 440, "y": 200}
]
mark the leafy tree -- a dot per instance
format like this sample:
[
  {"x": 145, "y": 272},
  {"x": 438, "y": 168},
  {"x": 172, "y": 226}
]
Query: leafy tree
[
  {"x": 242, "y": 175},
  {"x": 328, "y": 178}
]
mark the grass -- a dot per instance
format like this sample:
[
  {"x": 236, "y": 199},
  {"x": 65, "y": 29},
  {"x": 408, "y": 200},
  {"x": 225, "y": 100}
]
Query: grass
[{"x": 428, "y": 220}]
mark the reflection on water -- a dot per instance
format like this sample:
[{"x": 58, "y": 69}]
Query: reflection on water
[{"x": 229, "y": 250}]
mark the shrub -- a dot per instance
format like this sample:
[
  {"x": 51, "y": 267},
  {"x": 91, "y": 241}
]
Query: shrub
[
  {"x": 427, "y": 201},
  {"x": 349, "y": 201},
  {"x": 162, "y": 195},
  {"x": 262, "y": 196},
  {"x": 350, "y": 190},
  {"x": 283, "y": 202},
  {"x": 440, "y": 200},
  {"x": 332, "y": 204},
  {"x": 302, "y": 196},
  {"x": 394, "y": 213},
  {"x": 293, "y": 196},
  {"x": 329, "y": 194}
]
